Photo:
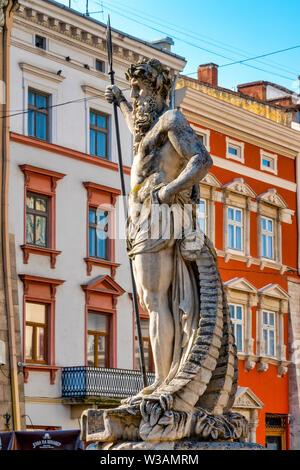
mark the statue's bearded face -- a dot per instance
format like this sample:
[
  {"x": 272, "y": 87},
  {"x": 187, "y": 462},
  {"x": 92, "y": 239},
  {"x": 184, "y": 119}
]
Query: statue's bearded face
[{"x": 146, "y": 105}]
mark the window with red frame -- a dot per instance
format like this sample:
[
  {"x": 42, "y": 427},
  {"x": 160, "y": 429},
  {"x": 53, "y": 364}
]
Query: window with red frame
[
  {"x": 37, "y": 220},
  {"x": 98, "y": 340},
  {"x": 36, "y": 336}
]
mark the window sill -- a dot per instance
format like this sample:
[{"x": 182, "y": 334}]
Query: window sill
[
  {"x": 261, "y": 262},
  {"x": 31, "y": 249},
  {"x": 40, "y": 368},
  {"x": 103, "y": 263},
  {"x": 264, "y": 362}
]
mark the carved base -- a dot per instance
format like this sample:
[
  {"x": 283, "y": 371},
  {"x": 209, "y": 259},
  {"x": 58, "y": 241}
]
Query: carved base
[
  {"x": 185, "y": 444},
  {"x": 127, "y": 424}
]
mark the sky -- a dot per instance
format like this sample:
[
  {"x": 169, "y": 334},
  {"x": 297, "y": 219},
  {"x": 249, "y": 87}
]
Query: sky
[{"x": 219, "y": 31}]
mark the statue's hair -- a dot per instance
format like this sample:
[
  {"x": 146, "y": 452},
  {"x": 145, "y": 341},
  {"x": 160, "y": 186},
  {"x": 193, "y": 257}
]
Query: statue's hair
[{"x": 153, "y": 73}]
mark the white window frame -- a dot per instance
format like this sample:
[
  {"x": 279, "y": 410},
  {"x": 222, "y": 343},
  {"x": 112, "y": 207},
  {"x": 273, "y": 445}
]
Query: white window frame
[
  {"x": 235, "y": 321},
  {"x": 203, "y": 216},
  {"x": 268, "y": 327},
  {"x": 271, "y": 158},
  {"x": 205, "y": 133},
  {"x": 267, "y": 234},
  {"x": 240, "y": 146},
  {"x": 235, "y": 224}
]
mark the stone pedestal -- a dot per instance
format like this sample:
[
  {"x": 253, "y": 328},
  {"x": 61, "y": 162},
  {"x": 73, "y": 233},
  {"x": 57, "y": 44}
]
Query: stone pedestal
[{"x": 182, "y": 445}]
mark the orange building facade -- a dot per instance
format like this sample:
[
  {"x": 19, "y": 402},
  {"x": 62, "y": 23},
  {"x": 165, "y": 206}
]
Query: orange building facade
[{"x": 249, "y": 210}]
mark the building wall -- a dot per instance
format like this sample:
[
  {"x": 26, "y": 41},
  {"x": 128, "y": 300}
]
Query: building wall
[
  {"x": 268, "y": 386},
  {"x": 67, "y": 153}
]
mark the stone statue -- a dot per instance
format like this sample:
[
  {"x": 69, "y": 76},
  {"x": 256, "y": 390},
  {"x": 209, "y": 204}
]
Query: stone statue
[{"x": 178, "y": 281}]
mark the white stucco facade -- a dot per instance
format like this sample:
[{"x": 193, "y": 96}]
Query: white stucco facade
[{"x": 68, "y": 35}]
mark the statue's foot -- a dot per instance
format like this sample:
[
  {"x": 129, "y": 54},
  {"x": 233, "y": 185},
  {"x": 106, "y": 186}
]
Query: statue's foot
[
  {"x": 137, "y": 399},
  {"x": 151, "y": 388},
  {"x": 134, "y": 400}
]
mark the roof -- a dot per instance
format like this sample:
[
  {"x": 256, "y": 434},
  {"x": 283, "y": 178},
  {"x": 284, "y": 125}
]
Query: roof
[{"x": 263, "y": 82}]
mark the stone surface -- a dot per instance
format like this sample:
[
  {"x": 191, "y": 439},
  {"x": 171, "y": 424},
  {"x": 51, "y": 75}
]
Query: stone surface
[
  {"x": 177, "y": 279},
  {"x": 185, "y": 444}
]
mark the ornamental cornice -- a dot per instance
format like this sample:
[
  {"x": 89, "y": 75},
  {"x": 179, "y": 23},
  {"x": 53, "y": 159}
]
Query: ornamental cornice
[
  {"x": 92, "y": 34},
  {"x": 208, "y": 111}
]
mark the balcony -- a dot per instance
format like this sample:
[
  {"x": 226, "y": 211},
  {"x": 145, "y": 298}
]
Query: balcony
[{"x": 85, "y": 382}]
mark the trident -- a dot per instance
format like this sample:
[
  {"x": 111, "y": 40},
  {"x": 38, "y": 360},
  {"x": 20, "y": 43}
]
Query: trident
[{"x": 123, "y": 190}]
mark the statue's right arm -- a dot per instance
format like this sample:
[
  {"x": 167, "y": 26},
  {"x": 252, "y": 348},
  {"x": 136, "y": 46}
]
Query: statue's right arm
[{"x": 113, "y": 94}]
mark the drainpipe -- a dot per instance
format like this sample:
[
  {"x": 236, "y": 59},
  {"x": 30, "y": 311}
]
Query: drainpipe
[
  {"x": 9, "y": 11},
  {"x": 298, "y": 205}
]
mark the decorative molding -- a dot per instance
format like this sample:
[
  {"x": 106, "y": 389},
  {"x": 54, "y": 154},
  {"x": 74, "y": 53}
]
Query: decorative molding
[
  {"x": 274, "y": 290},
  {"x": 28, "y": 170},
  {"x": 91, "y": 91},
  {"x": 262, "y": 366},
  {"x": 241, "y": 284},
  {"x": 211, "y": 180},
  {"x": 27, "y": 279},
  {"x": 40, "y": 368},
  {"x": 103, "y": 284},
  {"x": 79, "y": 29},
  {"x": 66, "y": 152},
  {"x": 245, "y": 398},
  {"x": 41, "y": 73},
  {"x": 272, "y": 197},
  {"x": 31, "y": 249},
  {"x": 239, "y": 186},
  {"x": 209, "y": 111},
  {"x": 90, "y": 262}
]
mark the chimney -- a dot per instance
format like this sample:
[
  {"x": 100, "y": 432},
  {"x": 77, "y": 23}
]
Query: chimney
[
  {"x": 163, "y": 43},
  {"x": 208, "y": 73}
]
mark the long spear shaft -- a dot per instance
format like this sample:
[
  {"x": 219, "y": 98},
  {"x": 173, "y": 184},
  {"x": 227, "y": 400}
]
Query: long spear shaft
[{"x": 123, "y": 190}]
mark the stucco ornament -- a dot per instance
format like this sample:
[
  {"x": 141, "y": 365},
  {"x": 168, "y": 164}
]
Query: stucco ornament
[
  {"x": 177, "y": 278},
  {"x": 3, "y": 5}
]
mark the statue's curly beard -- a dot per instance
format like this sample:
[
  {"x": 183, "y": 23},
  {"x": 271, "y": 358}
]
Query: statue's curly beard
[{"x": 144, "y": 113}]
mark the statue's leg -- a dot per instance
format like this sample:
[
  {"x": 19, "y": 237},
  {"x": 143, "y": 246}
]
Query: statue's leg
[{"x": 154, "y": 274}]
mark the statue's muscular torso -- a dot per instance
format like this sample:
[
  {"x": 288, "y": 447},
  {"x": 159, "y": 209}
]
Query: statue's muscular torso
[{"x": 157, "y": 161}]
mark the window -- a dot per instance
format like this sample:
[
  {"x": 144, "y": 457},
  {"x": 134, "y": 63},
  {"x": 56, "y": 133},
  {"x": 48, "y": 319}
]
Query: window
[
  {"x": 235, "y": 228},
  {"x": 149, "y": 363},
  {"x": 98, "y": 134},
  {"x": 268, "y": 162},
  {"x": 36, "y": 333},
  {"x": 234, "y": 150},
  {"x": 98, "y": 233},
  {"x": 267, "y": 238},
  {"x": 40, "y": 42},
  {"x": 269, "y": 331},
  {"x": 203, "y": 135},
  {"x": 202, "y": 215},
  {"x": 100, "y": 65},
  {"x": 37, "y": 215},
  {"x": 237, "y": 318},
  {"x": 38, "y": 115},
  {"x": 98, "y": 340},
  {"x": 276, "y": 426}
]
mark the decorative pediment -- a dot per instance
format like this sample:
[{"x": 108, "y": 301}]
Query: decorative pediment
[
  {"x": 245, "y": 398},
  {"x": 275, "y": 291},
  {"x": 239, "y": 186},
  {"x": 103, "y": 284},
  {"x": 211, "y": 180},
  {"x": 272, "y": 197},
  {"x": 240, "y": 283}
]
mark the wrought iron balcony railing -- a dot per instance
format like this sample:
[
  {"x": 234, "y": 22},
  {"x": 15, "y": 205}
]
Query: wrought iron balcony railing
[{"x": 82, "y": 382}]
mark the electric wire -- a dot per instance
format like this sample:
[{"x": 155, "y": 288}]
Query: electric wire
[
  {"x": 199, "y": 47},
  {"x": 200, "y": 37}
]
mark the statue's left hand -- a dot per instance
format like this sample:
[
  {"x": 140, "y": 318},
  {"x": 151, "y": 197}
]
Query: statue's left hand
[{"x": 165, "y": 195}]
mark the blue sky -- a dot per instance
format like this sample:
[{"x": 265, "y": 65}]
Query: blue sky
[{"x": 234, "y": 29}]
